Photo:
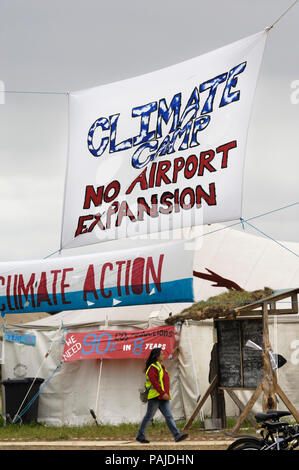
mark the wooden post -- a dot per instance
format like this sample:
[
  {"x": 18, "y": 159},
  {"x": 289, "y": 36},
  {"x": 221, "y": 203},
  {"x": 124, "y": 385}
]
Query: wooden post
[
  {"x": 269, "y": 381},
  {"x": 247, "y": 408},
  {"x": 294, "y": 303},
  {"x": 287, "y": 403},
  {"x": 201, "y": 403},
  {"x": 217, "y": 395},
  {"x": 241, "y": 407}
]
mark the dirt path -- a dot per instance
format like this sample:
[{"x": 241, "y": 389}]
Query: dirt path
[{"x": 115, "y": 445}]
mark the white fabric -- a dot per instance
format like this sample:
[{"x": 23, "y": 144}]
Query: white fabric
[
  {"x": 120, "y": 133},
  {"x": 148, "y": 274},
  {"x": 250, "y": 261}
]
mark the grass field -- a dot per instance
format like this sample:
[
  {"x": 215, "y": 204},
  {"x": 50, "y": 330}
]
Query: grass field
[{"x": 125, "y": 431}]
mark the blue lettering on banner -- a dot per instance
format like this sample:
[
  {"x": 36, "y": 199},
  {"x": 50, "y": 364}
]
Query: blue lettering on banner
[
  {"x": 102, "y": 344},
  {"x": 29, "y": 340},
  {"x": 168, "y": 120},
  {"x": 95, "y": 343}
]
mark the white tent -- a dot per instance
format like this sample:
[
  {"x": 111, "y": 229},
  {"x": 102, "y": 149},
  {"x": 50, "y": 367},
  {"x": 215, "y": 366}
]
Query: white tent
[
  {"x": 77, "y": 387},
  {"x": 112, "y": 390}
]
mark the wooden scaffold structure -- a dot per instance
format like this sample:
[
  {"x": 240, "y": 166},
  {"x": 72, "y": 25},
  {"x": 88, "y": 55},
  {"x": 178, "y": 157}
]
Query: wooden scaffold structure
[{"x": 255, "y": 373}]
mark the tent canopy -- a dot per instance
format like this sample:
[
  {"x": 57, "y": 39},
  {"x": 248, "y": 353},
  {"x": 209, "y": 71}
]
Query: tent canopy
[{"x": 251, "y": 262}]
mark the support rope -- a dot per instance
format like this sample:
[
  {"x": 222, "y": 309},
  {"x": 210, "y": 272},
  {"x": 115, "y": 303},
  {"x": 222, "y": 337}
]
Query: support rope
[
  {"x": 281, "y": 16},
  {"x": 250, "y": 218},
  {"x": 271, "y": 238},
  {"x": 34, "y": 380},
  {"x": 36, "y": 92},
  {"x": 20, "y": 414},
  {"x": 241, "y": 221}
]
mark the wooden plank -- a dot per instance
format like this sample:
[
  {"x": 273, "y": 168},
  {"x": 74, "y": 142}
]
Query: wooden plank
[
  {"x": 247, "y": 408},
  {"x": 266, "y": 339},
  {"x": 269, "y": 380},
  {"x": 241, "y": 356},
  {"x": 247, "y": 313},
  {"x": 294, "y": 299},
  {"x": 201, "y": 403},
  {"x": 239, "y": 317},
  {"x": 287, "y": 402},
  {"x": 241, "y": 407},
  {"x": 217, "y": 396},
  {"x": 254, "y": 314},
  {"x": 242, "y": 389},
  {"x": 270, "y": 298}
]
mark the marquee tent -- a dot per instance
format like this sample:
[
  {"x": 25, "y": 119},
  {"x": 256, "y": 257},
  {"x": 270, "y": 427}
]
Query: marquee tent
[{"x": 111, "y": 387}]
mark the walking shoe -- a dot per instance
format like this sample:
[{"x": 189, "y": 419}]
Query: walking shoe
[
  {"x": 181, "y": 437},
  {"x": 143, "y": 441}
]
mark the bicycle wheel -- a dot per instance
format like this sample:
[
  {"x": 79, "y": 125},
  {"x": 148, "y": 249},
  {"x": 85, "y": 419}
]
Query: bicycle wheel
[
  {"x": 252, "y": 446},
  {"x": 246, "y": 443}
]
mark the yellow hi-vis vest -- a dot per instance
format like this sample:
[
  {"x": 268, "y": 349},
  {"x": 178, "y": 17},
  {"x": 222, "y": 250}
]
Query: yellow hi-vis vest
[{"x": 152, "y": 393}]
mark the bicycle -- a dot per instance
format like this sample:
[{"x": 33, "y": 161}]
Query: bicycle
[{"x": 276, "y": 435}]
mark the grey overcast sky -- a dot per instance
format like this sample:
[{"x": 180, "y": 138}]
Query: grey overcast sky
[{"x": 63, "y": 45}]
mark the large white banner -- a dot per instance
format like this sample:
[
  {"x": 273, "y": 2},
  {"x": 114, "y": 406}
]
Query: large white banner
[
  {"x": 161, "y": 273},
  {"x": 161, "y": 151}
]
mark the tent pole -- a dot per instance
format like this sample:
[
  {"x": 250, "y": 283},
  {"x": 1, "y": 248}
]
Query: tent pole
[{"x": 99, "y": 385}]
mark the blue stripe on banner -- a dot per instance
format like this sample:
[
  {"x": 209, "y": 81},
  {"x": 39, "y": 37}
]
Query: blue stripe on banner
[{"x": 178, "y": 291}]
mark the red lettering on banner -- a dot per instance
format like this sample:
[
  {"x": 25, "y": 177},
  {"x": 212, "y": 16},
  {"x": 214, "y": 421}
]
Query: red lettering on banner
[
  {"x": 82, "y": 228},
  {"x": 129, "y": 277},
  {"x": 15, "y": 291},
  {"x": 91, "y": 196},
  {"x": 89, "y": 283},
  {"x": 141, "y": 179},
  {"x": 163, "y": 168},
  {"x": 105, "y": 266},
  {"x": 150, "y": 269},
  {"x": 165, "y": 175},
  {"x": 179, "y": 164},
  {"x": 137, "y": 276},
  {"x": 151, "y": 179},
  {"x": 205, "y": 159},
  {"x": 165, "y": 202},
  {"x": 63, "y": 285},
  {"x": 119, "y": 264},
  {"x": 165, "y": 172},
  {"x": 55, "y": 277},
  {"x": 209, "y": 198},
  {"x": 25, "y": 290},
  {"x": 191, "y": 162},
  {"x": 124, "y": 211},
  {"x": 3, "y": 283},
  {"x": 144, "y": 207},
  {"x": 97, "y": 197},
  {"x": 127, "y": 281},
  {"x": 97, "y": 222},
  {"x": 42, "y": 292},
  {"x": 111, "y": 210},
  {"x": 224, "y": 149},
  {"x": 8, "y": 293}
]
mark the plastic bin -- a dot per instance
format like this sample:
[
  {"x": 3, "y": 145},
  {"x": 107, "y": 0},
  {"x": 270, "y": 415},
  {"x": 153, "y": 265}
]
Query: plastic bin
[
  {"x": 15, "y": 392},
  {"x": 212, "y": 424}
]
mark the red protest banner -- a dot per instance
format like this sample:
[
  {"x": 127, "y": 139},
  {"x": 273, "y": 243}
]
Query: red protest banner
[{"x": 118, "y": 344}]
